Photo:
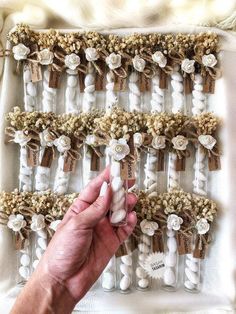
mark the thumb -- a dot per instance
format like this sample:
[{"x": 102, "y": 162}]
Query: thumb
[{"x": 96, "y": 211}]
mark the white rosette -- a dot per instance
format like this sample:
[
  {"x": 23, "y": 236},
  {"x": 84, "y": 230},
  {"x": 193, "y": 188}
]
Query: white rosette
[{"x": 170, "y": 276}]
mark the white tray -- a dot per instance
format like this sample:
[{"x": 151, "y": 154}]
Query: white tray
[{"x": 218, "y": 292}]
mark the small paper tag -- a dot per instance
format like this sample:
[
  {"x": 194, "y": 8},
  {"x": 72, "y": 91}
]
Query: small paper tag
[
  {"x": 199, "y": 253},
  {"x": 120, "y": 82},
  {"x": 36, "y": 72},
  {"x": 69, "y": 163},
  {"x": 125, "y": 248},
  {"x": 154, "y": 265},
  {"x": 18, "y": 242},
  {"x": 95, "y": 161},
  {"x": 158, "y": 243},
  {"x": 47, "y": 157},
  {"x": 188, "y": 85},
  {"x": 208, "y": 84},
  {"x": 99, "y": 80},
  {"x": 184, "y": 244},
  {"x": 54, "y": 79},
  {"x": 160, "y": 160},
  {"x": 81, "y": 81},
  {"x": 214, "y": 162},
  {"x": 180, "y": 164},
  {"x": 127, "y": 170},
  {"x": 144, "y": 83},
  {"x": 162, "y": 80},
  {"x": 32, "y": 157}
]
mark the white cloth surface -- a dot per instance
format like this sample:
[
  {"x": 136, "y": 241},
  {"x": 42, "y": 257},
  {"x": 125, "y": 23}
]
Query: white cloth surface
[{"x": 218, "y": 291}]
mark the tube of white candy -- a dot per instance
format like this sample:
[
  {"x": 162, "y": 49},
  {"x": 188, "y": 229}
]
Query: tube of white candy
[
  {"x": 193, "y": 266},
  {"x": 143, "y": 282},
  {"x": 170, "y": 277},
  {"x": 125, "y": 269},
  {"x": 41, "y": 238},
  {"x": 23, "y": 264},
  {"x": 30, "y": 90},
  {"x": 118, "y": 209},
  {"x": 108, "y": 277}
]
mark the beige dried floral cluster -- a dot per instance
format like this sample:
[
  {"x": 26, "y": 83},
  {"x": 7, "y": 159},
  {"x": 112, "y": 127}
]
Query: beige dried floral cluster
[
  {"x": 205, "y": 124},
  {"x": 205, "y": 208},
  {"x": 172, "y": 45},
  {"x": 116, "y": 123},
  {"x": 119, "y": 123},
  {"x": 47, "y": 203},
  {"x": 176, "y": 202}
]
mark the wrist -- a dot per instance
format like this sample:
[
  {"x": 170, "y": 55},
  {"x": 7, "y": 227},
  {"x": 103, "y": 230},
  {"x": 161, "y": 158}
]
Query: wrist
[
  {"x": 45, "y": 294},
  {"x": 57, "y": 297}
]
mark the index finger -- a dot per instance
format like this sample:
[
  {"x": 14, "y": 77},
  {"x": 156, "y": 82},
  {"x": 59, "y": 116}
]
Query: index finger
[{"x": 88, "y": 195}]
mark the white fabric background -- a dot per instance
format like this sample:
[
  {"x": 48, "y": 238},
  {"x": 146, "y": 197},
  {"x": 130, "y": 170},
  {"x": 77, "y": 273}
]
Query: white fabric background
[{"x": 218, "y": 293}]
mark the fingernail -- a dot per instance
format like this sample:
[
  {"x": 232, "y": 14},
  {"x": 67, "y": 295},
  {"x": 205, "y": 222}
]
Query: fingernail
[{"x": 103, "y": 189}]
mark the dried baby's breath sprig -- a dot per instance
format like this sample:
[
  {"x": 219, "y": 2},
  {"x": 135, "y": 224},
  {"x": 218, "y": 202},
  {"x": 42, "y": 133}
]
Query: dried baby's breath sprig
[
  {"x": 205, "y": 123},
  {"x": 205, "y": 208},
  {"x": 157, "y": 123},
  {"x": 192, "y": 46},
  {"x": 176, "y": 201},
  {"x": 147, "y": 207},
  {"x": 119, "y": 123},
  {"x": 94, "y": 40},
  {"x": 29, "y": 203},
  {"x": 25, "y": 121},
  {"x": 176, "y": 124}
]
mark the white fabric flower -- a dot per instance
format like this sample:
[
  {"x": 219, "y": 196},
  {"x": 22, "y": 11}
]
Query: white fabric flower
[
  {"x": 207, "y": 141},
  {"x": 174, "y": 222},
  {"x": 45, "y": 56},
  {"x": 63, "y": 143},
  {"x": 20, "y": 52},
  {"x": 148, "y": 227},
  {"x": 91, "y": 54},
  {"x": 16, "y": 222},
  {"x": 139, "y": 63},
  {"x": 159, "y": 58},
  {"x": 209, "y": 60},
  {"x": 54, "y": 224},
  {"x": 202, "y": 226},
  {"x": 21, "y": 138},
  {"x": 72, "y": 61},
  {"x": 188, "y": 66},
  {"x": 91, "y": 140},
  {"x": 159, "y": 142},
  {"x": 179, "y": 142},
  {"x": 118, "y": 149},
  {"x": 47, "y": 138},
  {"x": 113, "y": 61},
  {"x": 38, "y": 222},
  {"x": 138, "y": 139}
]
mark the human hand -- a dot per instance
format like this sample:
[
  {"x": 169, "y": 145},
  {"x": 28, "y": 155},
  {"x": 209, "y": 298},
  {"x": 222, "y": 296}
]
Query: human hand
[{"x": 84, "y": 242}]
